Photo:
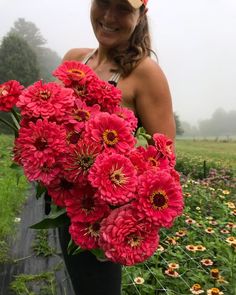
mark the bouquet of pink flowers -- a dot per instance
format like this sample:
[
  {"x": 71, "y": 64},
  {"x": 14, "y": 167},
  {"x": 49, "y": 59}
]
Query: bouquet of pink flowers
[{"x": 77, "y": 142}]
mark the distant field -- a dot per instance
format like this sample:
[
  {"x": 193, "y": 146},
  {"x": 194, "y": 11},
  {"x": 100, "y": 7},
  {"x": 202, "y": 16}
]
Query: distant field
[{"x": 224, "y": 152}]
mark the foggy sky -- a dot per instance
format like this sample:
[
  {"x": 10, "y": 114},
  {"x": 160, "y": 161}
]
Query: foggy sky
[{"x": 195, "y": 42}]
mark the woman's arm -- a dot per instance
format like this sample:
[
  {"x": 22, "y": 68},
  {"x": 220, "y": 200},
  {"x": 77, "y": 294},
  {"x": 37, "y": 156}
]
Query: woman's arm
[{"x": 153, "y": 99}]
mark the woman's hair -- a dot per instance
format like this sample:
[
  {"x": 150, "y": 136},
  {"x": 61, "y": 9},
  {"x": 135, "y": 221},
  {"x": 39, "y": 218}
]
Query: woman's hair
[{"x": 139, "y": 46}]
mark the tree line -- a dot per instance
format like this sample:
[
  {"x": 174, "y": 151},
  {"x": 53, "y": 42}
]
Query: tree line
[
  {"x": 221, "y": 123},
  {"x": 24, "y": 57}
]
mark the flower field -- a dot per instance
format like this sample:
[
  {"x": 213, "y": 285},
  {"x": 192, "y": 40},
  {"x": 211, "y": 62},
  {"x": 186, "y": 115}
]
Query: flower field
[{"x": 197, "y": 255}]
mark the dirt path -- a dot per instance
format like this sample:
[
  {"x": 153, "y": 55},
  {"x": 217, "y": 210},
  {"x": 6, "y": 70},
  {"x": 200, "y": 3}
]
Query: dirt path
[{"x": 25, "y": 260}]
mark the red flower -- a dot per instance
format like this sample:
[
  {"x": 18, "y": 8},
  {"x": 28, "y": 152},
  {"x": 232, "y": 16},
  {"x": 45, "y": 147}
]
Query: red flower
[
  {"x": 85, "y": 235},
  {"x": 79, "y": 159},
  {"x": 127, "y": 115},
  {"x": 81, "y": 113},
  {"x": 127, "y": 239},
  {"x": 136, "y": 156},
  {"x": 42, "y": 146},
  {"x": 160, "y": 199},
  {"x": 74, "y": 73},
  {"x": 115, "y": 178},
  {"x": 104, "y": 94},
  {"x": 60, "y": 189},
  {"x": 155, "y": 160},
  {"x": 49, "y": 100},
  {"x": 9, "y": 94},
  {"x": 164, "y": 146},
  {"x": 111, "y": 132},
  {"x": 85, "y": 206}
]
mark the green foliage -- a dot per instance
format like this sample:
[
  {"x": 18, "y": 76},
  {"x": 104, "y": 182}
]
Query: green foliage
[
  {"x": 207, "y": 215},
  {"x": 17, "y": 61},
  {"x": 41, "y": 246},
  {"x": 13, "y": 189},
  {"x": 26, "y": 284}
]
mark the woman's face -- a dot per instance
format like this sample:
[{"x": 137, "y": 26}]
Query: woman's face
[{"x": 113, "y": 21}]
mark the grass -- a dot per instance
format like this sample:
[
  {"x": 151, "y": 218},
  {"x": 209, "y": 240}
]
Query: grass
[
  {"x": 13, "y": 191},
  {"x": 220, "y": 152}
]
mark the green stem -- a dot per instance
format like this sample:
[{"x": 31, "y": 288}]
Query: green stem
[
  {"x": 9, "y": 124},
  {"x": 16, "y": 115},
  {"x": 15, "y": 121}
]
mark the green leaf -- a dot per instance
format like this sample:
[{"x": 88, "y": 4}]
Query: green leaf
[
  {"x": 53, "y": 221},
  {"x": 99, "y": 253},
  {"x": 40, "y": 190}
]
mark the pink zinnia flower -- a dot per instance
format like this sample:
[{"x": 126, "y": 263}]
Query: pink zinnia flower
[
  {"x": 110, "y": 131},
  {"x": 49, "y": 100},
  {"x": 104, "y": 94},
  {"x": 85, "y": 235},
  {"x": 127, "y": 115},
  {"x": 81, "y": 113},
  {"x": 164, "y": 146},
  {"x": 115, "y": 178},
  {"x": 153, "y": 158},
  {"x": 160, "y": 199},
  {"x": 9, "y": 94},
  {"x": 79, "y": 159},
  {"x": 42, "y": 146},
  {"x": 127, "y": 239},
  {"x": 137, "y": 158},
  {"x": 74, "y": 73},
  {"x": 60, "y": 189},
  {"x": 85, "y": 206}
]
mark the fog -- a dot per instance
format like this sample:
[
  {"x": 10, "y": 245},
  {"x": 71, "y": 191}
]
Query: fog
[{"x": 195, "y": 42}]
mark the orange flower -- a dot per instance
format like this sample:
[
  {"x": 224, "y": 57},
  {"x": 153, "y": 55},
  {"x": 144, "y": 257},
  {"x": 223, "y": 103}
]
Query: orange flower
[
  {"x": 139, "y": 280},
  {"x": 224, "y": 231},
  {"x": 207, "y": 262},
  {"x": 173, "y": 265},
  {"x": 191, "y": 248},
  {"x": 181, "y": 233},
  {"x": 214, "y": 291},
  {"x": 190, "y": 221},
  {"x": 160, "y": 248},
  {"x": 215, "y": 273},
  {"x": 231, "y": 225},
  {"x": 209, "y": 230},
  {"x": 172, "y": 273},
  {"x": 171, "y": 241},
  {"x": 196, "y": 289},
  {"x": 231, "y": 240},
  {"x": 200, "y": 248}
]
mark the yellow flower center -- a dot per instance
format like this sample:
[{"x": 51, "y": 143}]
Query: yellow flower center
[
  {"x": 77, "y": 72},
  {"x": 196, "y": 287},
  {"x": 44, "y": 94},
  {"x": 134, "y": 241},
  {"x": 82, "y": 115},
  {"x": 153, "y": 162},
  {"x": 110, "y": 137},
  {"x": 93, "y": 230},
  {"x": 117, "y": 177},
  {"x": 159, "y": 199}
]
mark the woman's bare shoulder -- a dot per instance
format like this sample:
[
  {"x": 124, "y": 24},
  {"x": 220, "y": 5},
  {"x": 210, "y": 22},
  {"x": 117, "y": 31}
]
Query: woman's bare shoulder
[
  {"x": 148, "y": 67},
  {"x": 77, "y": 53}
]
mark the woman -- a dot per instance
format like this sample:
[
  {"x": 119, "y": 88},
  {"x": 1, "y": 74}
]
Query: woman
[{"x": 122, "y": 58}]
